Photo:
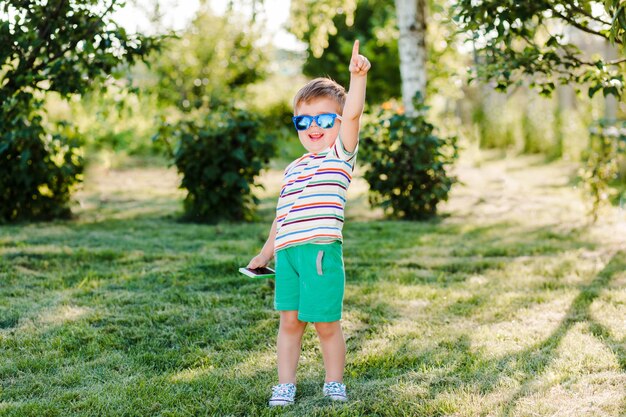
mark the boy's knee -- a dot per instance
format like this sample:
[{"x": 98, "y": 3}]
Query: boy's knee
[
  {"x": 290, "y": 323},
  {"x": 325, "y": 330}
]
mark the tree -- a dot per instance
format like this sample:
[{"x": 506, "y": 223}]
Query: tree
[
  {"x": 515, "y": 40},
  {"x": 61, "y": 46},
  {"x": 314, "y": 20},
  {"x": 412, "y": 46},
  {"x": 56, "y": 46},
  {"x": 374, "y": 24},
  {"x": 210, "y": 61}
]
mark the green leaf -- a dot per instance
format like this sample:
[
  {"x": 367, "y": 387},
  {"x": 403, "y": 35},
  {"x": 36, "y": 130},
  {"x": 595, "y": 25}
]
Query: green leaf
[
  {"x": 593, "y": 89},
  {"x": 553, "y": 41}
]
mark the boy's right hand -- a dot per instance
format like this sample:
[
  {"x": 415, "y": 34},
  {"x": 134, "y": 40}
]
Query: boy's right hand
[{"x": 259, "y": 261}]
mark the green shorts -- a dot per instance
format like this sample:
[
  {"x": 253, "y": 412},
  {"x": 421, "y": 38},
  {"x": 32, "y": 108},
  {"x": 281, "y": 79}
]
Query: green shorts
[{"x": 310, "y": 278}]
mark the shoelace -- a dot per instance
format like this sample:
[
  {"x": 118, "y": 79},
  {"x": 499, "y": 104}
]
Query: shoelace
[{"x": 283, "y": 390}]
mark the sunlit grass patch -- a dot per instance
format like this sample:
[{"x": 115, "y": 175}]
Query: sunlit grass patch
[
  {"x": 524, "y": 329},
  {"x": 588, "y": 397},
  {"x": 578, "y": 381},
  {"x": 62, "y": 314}
]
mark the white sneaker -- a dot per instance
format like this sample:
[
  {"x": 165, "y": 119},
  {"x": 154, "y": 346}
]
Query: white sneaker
[
  {"x": 283, "y": 394},
  {"x": 336, "y": 391}
]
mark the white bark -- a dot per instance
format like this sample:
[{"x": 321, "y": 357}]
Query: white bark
[{"x": 411, "y": 15}]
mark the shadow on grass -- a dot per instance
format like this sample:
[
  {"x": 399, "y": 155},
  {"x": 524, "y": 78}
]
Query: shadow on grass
[
  {"x": 541, "y": 355},
  {"x": 451, "y": 365},
  {"x": 479, "y": 250},
  {"x": 445, "y": 254}
]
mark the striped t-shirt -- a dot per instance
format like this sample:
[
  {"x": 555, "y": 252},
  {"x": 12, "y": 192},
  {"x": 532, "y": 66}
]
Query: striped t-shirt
[{"x": 313, "y": 196}]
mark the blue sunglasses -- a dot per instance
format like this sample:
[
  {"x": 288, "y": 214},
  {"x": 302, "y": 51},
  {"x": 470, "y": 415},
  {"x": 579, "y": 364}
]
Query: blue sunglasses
[{"x": 325, "y": 121}]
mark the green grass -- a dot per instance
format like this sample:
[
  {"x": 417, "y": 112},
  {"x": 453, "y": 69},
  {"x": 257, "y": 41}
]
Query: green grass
[{"x": 125, "y": 311}]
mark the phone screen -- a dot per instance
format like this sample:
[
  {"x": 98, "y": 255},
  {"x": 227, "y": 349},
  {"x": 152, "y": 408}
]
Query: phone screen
[{"x": 261, "y": 271}]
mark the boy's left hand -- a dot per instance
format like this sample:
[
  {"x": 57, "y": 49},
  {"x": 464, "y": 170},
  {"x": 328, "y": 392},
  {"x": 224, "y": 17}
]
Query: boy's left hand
[{"x": 359, "y": 65}]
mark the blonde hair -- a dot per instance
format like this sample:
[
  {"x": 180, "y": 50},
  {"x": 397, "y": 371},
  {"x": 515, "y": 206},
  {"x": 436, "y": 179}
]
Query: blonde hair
[{"x": 321, "y": 87}]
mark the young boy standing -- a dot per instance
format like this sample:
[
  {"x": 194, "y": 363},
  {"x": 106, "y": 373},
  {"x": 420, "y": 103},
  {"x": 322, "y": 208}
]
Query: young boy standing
[{"x": 306, "y": 234}]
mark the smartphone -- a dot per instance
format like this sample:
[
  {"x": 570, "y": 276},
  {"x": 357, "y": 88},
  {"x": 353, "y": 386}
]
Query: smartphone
[{"x": 262, "y": 272}]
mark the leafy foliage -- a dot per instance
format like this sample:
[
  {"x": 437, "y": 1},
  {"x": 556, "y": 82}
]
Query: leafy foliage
[
  {"x": 531, "y": 38},
  {"x": 607, "y": 146},
  {"x": 55, "y": 46},
  {"x": 212, "y": 59},
  {"x": 62, "y": 46},
  {"x": 219, "y": 156},
  {"x": 120, "y": 120},
  {"x": 407, "y": 163},
  {"x": 373, "y": 23},
  {"x": 37, "y": 172},
  {"x": 315, "y": 20}
]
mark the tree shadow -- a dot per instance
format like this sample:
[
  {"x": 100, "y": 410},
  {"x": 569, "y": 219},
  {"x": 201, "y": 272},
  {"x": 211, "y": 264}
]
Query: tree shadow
[
  {"x": 446, "y": 254},
  {"x": 452, "y": 363},
  {"x": 543, "y": 354}
]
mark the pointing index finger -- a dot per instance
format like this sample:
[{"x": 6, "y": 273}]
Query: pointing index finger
[{"x": 355, "y": 49}]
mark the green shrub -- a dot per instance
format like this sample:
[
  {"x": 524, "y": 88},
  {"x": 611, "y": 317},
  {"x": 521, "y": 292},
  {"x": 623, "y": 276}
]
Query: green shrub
[
  {"x": 219, "y": 156},
  {"x": 51, "y": 48},
  {"x": 37, "y": 171},
  {"x": 407, "y": 163}
]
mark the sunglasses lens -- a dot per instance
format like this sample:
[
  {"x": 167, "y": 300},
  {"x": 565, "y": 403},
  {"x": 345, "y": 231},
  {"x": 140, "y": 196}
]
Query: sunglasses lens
[
  {"x": 302, "y": 122},
  {"x": 325, "y": 121}
]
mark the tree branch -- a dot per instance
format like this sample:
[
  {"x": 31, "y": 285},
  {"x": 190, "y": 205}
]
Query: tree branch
[
  {"x": 593, "y": 64},
  {"x": 43, "y": 36},
  {"x": 581, "y": 27},
  {"x": 11, "y": 85},
  {"x": 584, "y": 13},
  {"x": 615, "y": 61}
]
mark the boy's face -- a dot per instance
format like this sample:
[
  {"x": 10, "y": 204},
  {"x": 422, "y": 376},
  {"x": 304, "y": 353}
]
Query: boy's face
[{"x": 316, "y": 139}]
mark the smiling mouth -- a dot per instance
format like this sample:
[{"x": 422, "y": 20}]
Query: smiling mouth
[{"x": 315, "y": 136}]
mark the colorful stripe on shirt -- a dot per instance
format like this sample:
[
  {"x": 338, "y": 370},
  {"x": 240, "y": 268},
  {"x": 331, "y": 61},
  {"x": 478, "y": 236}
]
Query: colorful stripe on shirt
[{"x": 313, "y": 196}]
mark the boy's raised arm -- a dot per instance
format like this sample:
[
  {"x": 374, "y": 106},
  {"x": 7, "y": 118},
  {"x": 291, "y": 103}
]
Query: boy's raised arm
[{"x": 351, "y": 118}]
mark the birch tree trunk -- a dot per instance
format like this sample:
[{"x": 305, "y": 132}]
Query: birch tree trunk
[{"x": 412, "y": 48}]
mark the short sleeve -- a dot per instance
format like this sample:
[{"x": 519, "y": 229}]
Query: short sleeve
[
  {"x": 342, "y": 153},
  {"x": 289, "y": 167}
]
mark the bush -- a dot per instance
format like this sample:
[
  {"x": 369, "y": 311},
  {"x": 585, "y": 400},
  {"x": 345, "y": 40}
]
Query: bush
[
  {"x": 219, "y": 156},
  {"x": 37, "y": 171},
  {"x": 60, "y": 48},
  {"x": 407, "y": 163}
]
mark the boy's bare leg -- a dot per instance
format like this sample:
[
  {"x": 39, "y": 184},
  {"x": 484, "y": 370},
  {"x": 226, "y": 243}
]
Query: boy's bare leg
[
  {"x": 289, "y": 344},
  {"x": 333, "y": 349}
]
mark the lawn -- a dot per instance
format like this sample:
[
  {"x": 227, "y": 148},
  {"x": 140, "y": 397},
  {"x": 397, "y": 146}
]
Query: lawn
[{"x": 510, "y": 304}]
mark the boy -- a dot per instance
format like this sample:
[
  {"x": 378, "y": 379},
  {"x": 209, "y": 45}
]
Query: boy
[{"x": 306, "y": 234}]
